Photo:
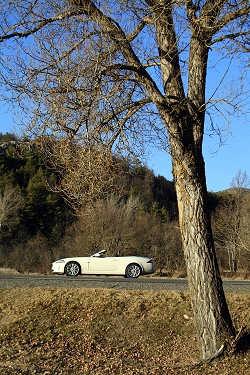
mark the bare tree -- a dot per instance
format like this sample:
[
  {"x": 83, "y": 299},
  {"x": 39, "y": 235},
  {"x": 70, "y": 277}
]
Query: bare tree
[
  {"x": 240, "y": 184},
  {"x": 123, "y": 228},
  {"x": 84, "y": 172},
  {"x": 119, "y": 74},
  {"x": 231, "y": 220},
  {"x": 11, "y": 201}
]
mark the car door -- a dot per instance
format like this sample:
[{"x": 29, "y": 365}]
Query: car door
[{"x": 103, "y": 265}]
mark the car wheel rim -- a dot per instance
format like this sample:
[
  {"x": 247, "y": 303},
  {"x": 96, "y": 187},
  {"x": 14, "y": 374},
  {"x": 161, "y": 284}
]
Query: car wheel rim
[
  {"x": 73, "y": 269},
  {"x": 133, "y": 271}
]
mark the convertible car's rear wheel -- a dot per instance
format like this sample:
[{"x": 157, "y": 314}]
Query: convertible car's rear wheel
[
  {"x": 72, "y": 269},
  {"x": 133, "y": 270}
]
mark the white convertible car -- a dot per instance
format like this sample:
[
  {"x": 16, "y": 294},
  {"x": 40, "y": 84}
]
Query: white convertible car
[{"x": 98, "y": 264}]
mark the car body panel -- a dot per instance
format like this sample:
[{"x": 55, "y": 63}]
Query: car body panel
[
  {"x": 98, "y": 264},
  {"x": 109, "y": 264}
]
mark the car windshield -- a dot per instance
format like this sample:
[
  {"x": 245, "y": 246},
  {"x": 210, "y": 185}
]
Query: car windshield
[{"x": 100, "y": 253}]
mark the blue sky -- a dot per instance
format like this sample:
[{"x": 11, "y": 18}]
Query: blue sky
[{"x": 221, "y": 163}]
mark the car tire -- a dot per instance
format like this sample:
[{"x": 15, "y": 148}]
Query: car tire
[
  {"x": 133, "y": 270},
  {"x": 72, "y": 269}
]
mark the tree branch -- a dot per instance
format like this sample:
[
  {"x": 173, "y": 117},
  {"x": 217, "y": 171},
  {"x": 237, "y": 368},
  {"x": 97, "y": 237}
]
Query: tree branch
[
  {"x": 39, "y": 26},
  {"x": 115, "y": 32}
]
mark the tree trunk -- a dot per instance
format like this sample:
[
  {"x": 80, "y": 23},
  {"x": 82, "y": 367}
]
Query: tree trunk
[{"x": 211, "y": 316}]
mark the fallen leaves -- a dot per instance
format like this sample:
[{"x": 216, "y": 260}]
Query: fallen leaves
[{"x": 106, "y": 332}]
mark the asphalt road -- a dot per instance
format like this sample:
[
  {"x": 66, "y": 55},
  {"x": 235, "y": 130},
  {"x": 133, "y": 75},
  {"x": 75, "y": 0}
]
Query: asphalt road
[{"x": 143, "y": 283}]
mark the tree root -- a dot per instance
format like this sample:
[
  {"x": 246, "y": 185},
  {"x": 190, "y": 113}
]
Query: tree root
[
  {"x": 219, "y": 353},
  {"x": 228, "y": 348}
]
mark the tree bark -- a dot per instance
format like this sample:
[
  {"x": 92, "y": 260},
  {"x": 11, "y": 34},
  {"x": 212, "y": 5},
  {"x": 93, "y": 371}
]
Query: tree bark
[{"x": 211, "y": 315}]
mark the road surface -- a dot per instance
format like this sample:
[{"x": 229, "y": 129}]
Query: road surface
[{"x": 143, "y": 283}]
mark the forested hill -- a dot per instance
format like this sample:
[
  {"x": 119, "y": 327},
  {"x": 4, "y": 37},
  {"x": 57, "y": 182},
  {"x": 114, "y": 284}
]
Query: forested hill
[
  {"x": 38, "y": 225},
  {"x": 25, "y": 171},
  {"x": 30, "y": 210}
]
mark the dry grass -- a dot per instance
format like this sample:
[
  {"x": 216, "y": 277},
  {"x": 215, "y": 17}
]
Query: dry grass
[{"x": 98, "y": 331}]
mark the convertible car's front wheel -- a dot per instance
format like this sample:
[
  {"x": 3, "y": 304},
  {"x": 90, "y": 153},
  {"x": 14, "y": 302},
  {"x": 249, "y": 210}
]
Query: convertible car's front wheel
[
  {"x": 133, "y": 270},
  {"x": 72, "y": 269}
]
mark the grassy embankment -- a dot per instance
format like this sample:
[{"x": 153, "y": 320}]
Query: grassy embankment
[{"x": 97, "y": 331}]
